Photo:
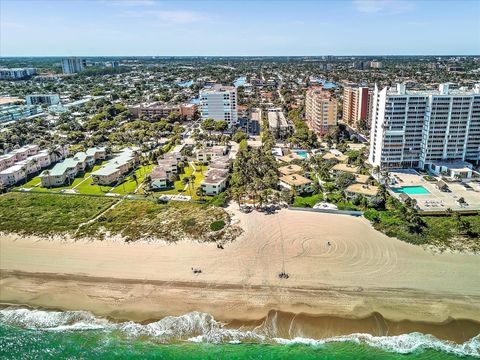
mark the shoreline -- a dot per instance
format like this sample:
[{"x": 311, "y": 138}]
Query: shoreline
[
  {"x": 363, "y": 282},
  {"x": 317, "y": 312}
]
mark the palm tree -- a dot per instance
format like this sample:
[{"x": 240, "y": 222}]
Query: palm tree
[
  {"x": 24, "y": 170},
  {"x": 186, "y": 181},
  {"x": 147, "y": 183},
  {"x": 47, "y": 173},
  {"x": 201, "y": 193},
  {"x": 192, "y": 183},
  {"x": 133, "y": 177}
]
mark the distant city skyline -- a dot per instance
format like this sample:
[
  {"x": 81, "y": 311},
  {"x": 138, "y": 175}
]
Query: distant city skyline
[{"x": 238, "y": 28}]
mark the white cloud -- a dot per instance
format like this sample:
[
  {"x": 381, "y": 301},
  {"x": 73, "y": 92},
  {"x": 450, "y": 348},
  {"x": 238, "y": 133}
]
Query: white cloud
[
  {"x": 13, "y": 25},
  {"x": 383, "y": 6},
  {"x": 168, "y": 16},
  {"x": 132, "y": 2}
]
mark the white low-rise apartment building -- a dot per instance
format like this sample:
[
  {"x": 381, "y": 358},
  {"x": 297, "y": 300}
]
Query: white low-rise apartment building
[
  {"x": 416, "y": 129},
  {"x": 220, "y": 103},
  {"x": 12, "y": 175},
  {"x": 7, "y": 160},
  {"x": 215, "y": 181},
  {"x": 69, "y": 168},
  {"x": 296, "y": 182},
  {"x": 116, "y": 167},
  {"x": 18, "y": 164},
  {"x": 160, "y": 175},
  {"x": 211, "y": 152}
]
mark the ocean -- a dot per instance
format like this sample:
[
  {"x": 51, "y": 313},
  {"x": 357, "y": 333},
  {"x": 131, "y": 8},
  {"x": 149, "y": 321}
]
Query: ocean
[{"x": 38, "y": 334}]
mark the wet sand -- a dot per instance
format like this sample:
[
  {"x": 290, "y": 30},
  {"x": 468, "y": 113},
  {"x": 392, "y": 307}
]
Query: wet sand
[{"x": 361, "y": 275}]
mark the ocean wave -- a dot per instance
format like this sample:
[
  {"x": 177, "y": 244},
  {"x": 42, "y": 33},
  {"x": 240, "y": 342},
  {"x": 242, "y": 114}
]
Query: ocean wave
[
  {"x": 201, "y": 327},
  {"x": 402, "y": 344}
]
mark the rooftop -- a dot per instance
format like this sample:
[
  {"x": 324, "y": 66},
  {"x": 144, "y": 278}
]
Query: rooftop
[
  {"x": 277, "y": 119},
  {"x": 346, "y": 168},
  {"x": 295, "y": 179},
  {"x": 158, "y": 172},
  {"x": 290, "y": 157},
  {"x": 362, "y": 179},
  {"x": 218, "y": 88},
  {"x": 338, "y": 157},
  {"x": 362, "y": 189},
  {"x": 60, "y": 168},
  {"x": 11, "y": 169},
  {"x": 443, "y": 90},
  {"x": 290, "y": 169},
  {"x": 215, "y": 176}
]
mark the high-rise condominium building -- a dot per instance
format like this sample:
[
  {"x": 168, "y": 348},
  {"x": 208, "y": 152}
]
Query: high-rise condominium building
[
  {"x": 73, "y": 65},
  {"x": 414, "y": 129},
  {"x": 357, "y": 106},
  {"x": 320, "y": 110},
  {"x": 49, "y": 99},
  {"x": 16, "y": 73},
  {"x": 220, "y": 103}
]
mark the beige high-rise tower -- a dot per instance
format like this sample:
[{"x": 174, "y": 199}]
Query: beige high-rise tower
[
  {"x": 320, "y": 110},
  {"x": 356, "y": 106}
]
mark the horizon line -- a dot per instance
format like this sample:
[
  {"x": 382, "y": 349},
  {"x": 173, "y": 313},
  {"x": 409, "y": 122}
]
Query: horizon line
[{"x": 213, "y": 56}]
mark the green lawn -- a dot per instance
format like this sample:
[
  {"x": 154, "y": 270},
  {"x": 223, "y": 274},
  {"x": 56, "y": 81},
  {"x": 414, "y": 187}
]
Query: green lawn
[
  {"x": 179, "y": 186},
  {"x": 129, "y": 186},
  {"x": 87, "y": 187},
  {"x": 47, "y": 214},
  {"x": 35, "y": 181}
]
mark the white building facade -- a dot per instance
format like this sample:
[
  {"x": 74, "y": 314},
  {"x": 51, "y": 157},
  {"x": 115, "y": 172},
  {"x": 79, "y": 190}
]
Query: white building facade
[
  {"x": 414, "y": 129},
  {"x": 73, "y": 65},
  {"x": 220, "y": 103},
  {"x": 49, "y": 99}
]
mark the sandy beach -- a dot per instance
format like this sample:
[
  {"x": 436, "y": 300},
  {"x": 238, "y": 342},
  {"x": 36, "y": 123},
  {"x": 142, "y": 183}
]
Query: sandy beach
[{"x": 374, "y": 283}]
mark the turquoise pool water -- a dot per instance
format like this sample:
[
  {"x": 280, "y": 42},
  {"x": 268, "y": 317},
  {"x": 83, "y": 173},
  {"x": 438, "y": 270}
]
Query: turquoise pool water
[
  {"x": 411, "y": 190},
  {"x": 240, "y": 81},
  {"x": 187, "y": 83},
  {"x": 302, "y": 153}
]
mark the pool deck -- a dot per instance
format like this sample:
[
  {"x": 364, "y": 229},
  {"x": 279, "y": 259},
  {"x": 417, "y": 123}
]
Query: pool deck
[{"x": 438, "y": 201}]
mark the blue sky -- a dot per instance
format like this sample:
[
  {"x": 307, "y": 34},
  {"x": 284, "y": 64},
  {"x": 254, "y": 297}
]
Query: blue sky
[{"x": 248, "y": 27}]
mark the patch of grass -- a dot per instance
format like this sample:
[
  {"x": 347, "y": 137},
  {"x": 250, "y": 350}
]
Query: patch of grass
[
  {"x": 181, "y": 188},
  {"x": 87, "y": 187},
  {"x": 129, "y": 186},
  {"x": 217, "y": 225},
  {"x": 47, "y": 214},
  {"x": 430, "y": 178},
  {"x": 307, "y": 201},
  {"x": 35, "y": 181},
  {"x": 143, "y": 219}
]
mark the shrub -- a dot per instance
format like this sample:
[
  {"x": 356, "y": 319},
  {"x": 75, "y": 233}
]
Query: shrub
[
  {"x": 217, "y": 225},
  {"x": 188, "y": 223},
  {"x": 372, "y": 215},
  {"x": 219, "y": 200}
]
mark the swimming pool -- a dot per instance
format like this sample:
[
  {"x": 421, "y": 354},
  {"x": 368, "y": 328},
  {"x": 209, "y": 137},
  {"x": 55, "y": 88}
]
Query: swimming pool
[
  {"x": 411, "y": 190},
  {"x": 302, "y": 153}
]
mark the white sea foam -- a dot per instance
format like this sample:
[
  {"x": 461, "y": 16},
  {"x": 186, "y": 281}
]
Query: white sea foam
[
  {"x": 403, "y": 344},
  {"x": 201, "y": 327}
]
